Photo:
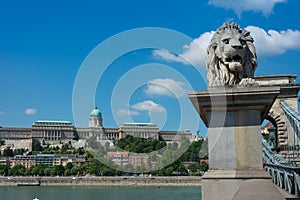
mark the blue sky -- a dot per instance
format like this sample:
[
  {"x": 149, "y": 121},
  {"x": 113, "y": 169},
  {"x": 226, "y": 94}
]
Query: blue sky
[{"x": 44, "y": 44}]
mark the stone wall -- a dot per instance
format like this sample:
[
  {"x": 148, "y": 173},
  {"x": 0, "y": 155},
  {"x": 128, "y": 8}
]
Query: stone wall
[{"x": 19, "y": 144}]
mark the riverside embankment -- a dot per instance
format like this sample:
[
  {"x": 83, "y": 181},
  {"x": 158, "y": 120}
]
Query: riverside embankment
[{"x": 106, "y": 181}]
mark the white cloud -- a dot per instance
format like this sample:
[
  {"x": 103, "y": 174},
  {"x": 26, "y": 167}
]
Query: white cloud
[
  {"x": 267, "y": 43},
  {"x": 168, "y": 87},
  {"x": 193, "y": 53},
  {"x": 30, "y": 111},
  {"x": 127, "y": 112},
  {"x": 271, "y": 42},
  {"x": 1, "y": 112},
  {"x": 168, "y": 56},
  {"x": 264, "y": 6},
  {"x": 149, "y": 106}
]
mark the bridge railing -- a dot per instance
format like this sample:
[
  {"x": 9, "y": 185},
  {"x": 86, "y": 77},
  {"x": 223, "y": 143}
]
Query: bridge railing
[
  {"x": 293, "y": 131},
  {"x": 285, "y": 174},
  {"x": 286, "y": 177},
  {"x": 269, "y": 156},
  {"x": 292, "y": 115}
]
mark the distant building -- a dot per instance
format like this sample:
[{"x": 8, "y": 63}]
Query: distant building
[
  {"x": 25, "y": 160},
  {"x": 169, "y": 136},
  {"x": 5, "y": 162},
  {"x": 11, "y": 133},
  {"x": 46, "y": 131},
  {"x": 124, "y": 158},
  {"x": 58, "y": 132},
  {"x": 53, "y": 131},
  {"x": 112, "y": 133},
  {"x": 119, "y": 157},
  {"x": 142, "y": 160},
  {"x": 45, "y": 159},
  {"x": 83, "y": 133},
  {"x": 142, "y": 130},
  {"x": 58, "y": 159},
  {"x": 63, "y": 159},
  {"x": 80, "y": 159},
  {"x": 96, "y": 128},
  {"x": 16, "y": 138}
]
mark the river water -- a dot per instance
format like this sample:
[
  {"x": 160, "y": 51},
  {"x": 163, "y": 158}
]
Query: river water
[{"x": 100, "y": 192}]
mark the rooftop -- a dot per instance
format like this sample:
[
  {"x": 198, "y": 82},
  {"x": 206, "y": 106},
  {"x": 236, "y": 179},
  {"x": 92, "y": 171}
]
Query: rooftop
[
  {"x": 45, "y": 155},
  {"x": 52, "y": 122},
  {"x": 95, "y": 113},
  {"x": 138, "y": 125},
  {"x": 123, "y": 153}
]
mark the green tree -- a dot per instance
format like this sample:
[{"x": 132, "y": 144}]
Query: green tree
[
  {"x": 194, "y": 167},
  {"x": 94, "y": 167},
  {"x": 66, "y": 148},
  {"x": 34, "y": 170},
  {"x": 169, "y": 171},
  {"x": 8, "y": 152},
  {"x": 137, "y": 169},
  {"x": 4, "y": 170},
  {"x": 67, "y": 172},
  {"x": 89, "y": 154},
  {"x": 57, "y": 170},
  {"x": 139, "y": 145},
  {"x": 204, "y": 167},
  {"x": 47, "y": 171},
  {"x": 38, "y": 170},
  {"x": 79, "y": 151},
  {"x": 83, "y": 169},
  {"x": 106, "y": 171},
  {"x": 48, "y": 151},
  {"x": 69, "y": 165},
  {"x": 28, "y": 172},
  {"x": 18, "y": 170},
  {"x": 192, "y": 153},
  {"x": 180, "y": 169},
  {"x": 19, "y": 151},
  {"x": 75, "y": 171},
  {"x": 128, "y": 168},
  {"x": 36, "y": 145}
]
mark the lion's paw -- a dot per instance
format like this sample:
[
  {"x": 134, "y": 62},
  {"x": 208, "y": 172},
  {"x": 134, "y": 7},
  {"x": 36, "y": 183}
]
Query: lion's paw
[{"x": 248, "y": 82}]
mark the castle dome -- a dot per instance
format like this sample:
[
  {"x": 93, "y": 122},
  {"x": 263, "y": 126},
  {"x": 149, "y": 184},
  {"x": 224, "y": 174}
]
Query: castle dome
[{"x": 96, "y": 113}]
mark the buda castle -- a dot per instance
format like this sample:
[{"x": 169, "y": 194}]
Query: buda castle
[{"x": 58, "y": 132}]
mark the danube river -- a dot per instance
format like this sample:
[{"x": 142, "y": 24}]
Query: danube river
[{"x": 100, "y": 192}]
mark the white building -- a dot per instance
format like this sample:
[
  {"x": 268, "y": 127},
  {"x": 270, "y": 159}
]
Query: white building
[{"x": 142, "y": 130}]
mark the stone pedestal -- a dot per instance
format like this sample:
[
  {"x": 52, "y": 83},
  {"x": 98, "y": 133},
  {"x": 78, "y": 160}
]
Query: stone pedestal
[{"x": 233, "y": 116}]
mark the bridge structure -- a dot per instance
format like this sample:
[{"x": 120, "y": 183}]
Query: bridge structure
[{"x": 281, "y": 141}]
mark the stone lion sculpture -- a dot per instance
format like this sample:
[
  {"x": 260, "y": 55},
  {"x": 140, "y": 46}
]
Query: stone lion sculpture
[{"x": 231, "y": 57}]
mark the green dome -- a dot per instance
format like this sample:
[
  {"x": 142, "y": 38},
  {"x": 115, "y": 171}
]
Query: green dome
[{"x": 95, "y": 113}]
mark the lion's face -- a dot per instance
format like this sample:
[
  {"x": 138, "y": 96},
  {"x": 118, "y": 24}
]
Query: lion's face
[
  {"x": 231, "y": 49},
  {"x": 230, "y": 56}
]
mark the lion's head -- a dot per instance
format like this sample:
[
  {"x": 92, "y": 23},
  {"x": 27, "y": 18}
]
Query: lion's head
[{"x": 230, "y": 56}]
